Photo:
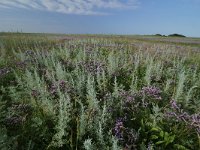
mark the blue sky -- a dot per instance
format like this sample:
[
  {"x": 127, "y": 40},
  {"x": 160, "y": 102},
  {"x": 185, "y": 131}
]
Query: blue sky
[{"x": 101, "y": 16}]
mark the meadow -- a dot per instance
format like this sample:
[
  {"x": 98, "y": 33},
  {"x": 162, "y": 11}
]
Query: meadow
[{"x": 104, "y": 92}]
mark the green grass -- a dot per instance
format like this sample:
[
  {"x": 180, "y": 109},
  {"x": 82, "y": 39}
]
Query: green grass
[{"x": 97, "y": 92}]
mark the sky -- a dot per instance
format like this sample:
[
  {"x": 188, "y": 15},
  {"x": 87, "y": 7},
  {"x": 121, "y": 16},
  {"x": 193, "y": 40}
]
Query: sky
[{"x": 144, "y": 17}]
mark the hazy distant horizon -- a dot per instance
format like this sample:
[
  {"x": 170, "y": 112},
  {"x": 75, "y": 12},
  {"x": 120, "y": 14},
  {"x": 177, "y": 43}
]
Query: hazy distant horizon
[
  {"x": 101, "y": 34},
  {"x": 121, "y": 17}
]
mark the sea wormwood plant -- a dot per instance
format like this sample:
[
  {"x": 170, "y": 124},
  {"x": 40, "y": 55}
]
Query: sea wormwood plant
[
  {"x": 180, "y": 84},
  {"x": 148, "y": 73}
]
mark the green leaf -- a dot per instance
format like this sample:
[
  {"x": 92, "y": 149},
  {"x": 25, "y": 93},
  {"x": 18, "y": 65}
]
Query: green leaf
[
  {"x": 180, "y": 147},
  {"x": 166, "y": 135},
  {"x": 171, "y": 139},
  {"x": 160, "y": 142},
  {"x": 162, "y": 134},
  {"x": 153, "y": 137},
  {"x": 142, "y": 123},
  {"x": 142, "y": 146},
  {"x": 155, "y": 129}
]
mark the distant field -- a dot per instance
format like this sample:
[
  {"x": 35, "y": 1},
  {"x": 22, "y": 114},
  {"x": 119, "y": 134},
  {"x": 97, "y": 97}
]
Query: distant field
[{"x": 109, "y": 92}]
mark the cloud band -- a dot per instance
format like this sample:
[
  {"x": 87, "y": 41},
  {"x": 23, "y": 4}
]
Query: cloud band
[{"x": 80, "y": 7}]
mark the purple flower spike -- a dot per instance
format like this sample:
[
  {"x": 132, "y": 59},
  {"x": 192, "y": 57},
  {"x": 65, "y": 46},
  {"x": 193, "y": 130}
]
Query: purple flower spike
[
  {"x": 118, "y": 129},
  {"x": 174, "y": 104}
]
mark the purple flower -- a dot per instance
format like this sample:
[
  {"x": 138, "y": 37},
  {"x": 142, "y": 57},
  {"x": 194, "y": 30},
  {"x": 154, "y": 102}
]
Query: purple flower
[
  {"x": 92, "y": 67},
  {"x": 5, "y": 71},
  {"x": 149, "y": 146},
  {"x": 195, "y": 118},
  {"x": 127, "y": 96},
  {"x": 174, "y": 104},
  {"x": 62, "y": 84},
  {"x": 192, "y": 121},
  {"x": 25, "y": 108},
  {"x": 35, "y": 93},
  {"x": 53, "y": 89},
  {"x": 184, "y": 117},
  {"x": 110, "y": 109},
  {"x": 129, "y": 99},
  {"x": 14, "y": 121},
  {"x": 152, "y": 91},
  {"x": 21, "y": 65},
  {"x": 118, "y": 129}
]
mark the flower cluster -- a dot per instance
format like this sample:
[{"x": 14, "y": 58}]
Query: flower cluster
[
  {"x": 53, "y": 89},
  {"x": 68, "y": 64},
  {"x": 21, "y": 65},
  {"x": 119, "y": 128},
  {"x": 24, "y": 108},
  {"x": 152, "y": 92},
  {"x": 126, "y": 136},
  {"x": 62, "y": 85},
  {"x": 174, "y": 105},
  {"x": 127, "y": 96},
  {"x": 5, "y": 71},
  {"x": 92, "y": 67},
  {"x": 193, "y": 120},
  {"x": 14, "y": 121},
  {"x": 35, "y": 93}
]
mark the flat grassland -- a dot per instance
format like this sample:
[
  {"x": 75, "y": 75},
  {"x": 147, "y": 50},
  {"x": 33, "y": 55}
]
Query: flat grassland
[{"x": 101, "y": 92}]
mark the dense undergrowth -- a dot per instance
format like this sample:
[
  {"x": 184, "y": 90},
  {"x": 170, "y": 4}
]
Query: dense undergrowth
[{"x": 96, "y": 94}]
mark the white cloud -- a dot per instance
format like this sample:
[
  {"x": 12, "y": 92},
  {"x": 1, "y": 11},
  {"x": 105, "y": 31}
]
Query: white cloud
[{"x": 82, "y": 7}]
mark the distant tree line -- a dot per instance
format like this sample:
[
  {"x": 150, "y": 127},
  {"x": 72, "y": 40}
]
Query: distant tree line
[{"x": 171, "y": 35}]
